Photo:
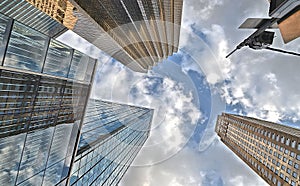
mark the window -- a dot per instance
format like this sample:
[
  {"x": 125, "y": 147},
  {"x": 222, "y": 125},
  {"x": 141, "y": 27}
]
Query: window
[
  {"x": 292, "y": 154},
  {"x": 293, "y": 144},
  {"x": 286, "y": 151},
  {"x": 274, "y": 180},
  {"x": 273, "y": 136},
  {"x": 26, "y": 48},
  {"x": 281, "y": 175},
  {"x": 288, "y": 170},
  {"x": 284, "y": 159},
  {"x": 4, "y": 31},
  {"x": 277, "y": 138},
  {"x": 281, "y": 149},
  {"x": 290, "y": 162},
  {"x": 287, "y": 142},
  {"x": 58, "y": 59},
  {"x": 270, "y": 176},
  {"x": 287, "y": 179},
  {"x": 295, "y": 174},
  {"x": 282, "y": 139},
  {"x": 296, "y": 166}
]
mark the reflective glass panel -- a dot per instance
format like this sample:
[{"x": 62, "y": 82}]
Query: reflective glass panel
[
  {"x": 4, "y": 32},
  {"x": 58, "y": 59},
  {"x": 10, "y": 157},
  {"x": 78, "y": 66},
  {"x": 35, "y": 153},
  {"x": 26, "y": 48}
]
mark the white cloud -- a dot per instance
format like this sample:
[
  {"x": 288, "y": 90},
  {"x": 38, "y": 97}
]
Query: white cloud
[
  {"x": 175, "y": 114},
  {"x": 263, "y": 83}
]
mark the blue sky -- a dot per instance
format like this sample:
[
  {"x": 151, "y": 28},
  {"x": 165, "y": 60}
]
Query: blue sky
[{"x": 190, "y": 88}]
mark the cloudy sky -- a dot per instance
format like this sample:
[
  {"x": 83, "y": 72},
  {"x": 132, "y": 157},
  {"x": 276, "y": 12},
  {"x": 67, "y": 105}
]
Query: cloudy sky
[{"x": 190, "y": 88}]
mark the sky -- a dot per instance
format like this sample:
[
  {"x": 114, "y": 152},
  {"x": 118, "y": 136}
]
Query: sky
[{"x": 189, "y": 89}]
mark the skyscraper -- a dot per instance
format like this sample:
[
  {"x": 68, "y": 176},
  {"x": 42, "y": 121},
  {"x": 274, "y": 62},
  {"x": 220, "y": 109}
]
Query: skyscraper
[
  {"x": 271, "y": 150},
  {"x": 111, "y": 136},
  {"x": 44, "y": 87},
  {"x": 27, "y": 14},
  {"x": 138, "y": 33}
]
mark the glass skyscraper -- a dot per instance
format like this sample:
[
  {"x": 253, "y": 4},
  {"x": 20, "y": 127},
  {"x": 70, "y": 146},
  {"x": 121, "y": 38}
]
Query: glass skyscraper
[
  {"x": 270, "y": 149},
  {"x": 27, "y": 14},
  {"x": 44, "y": 87},
  {"x": 44, "y": 90},
  {"x": 112, "y": 134},
  {"x": 137, "y": 33}
]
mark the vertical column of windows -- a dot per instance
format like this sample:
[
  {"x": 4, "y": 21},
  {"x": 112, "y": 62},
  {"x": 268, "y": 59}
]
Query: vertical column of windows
[
  {"x": 5, "y": 30},
  {"x": 58, "y": 59}
]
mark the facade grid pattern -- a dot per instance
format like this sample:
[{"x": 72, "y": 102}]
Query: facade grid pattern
[
  {"x": 273, "y": 154},
  {"x": 44, "y": 86},
  {"x": 146, "y": 31},
  {"x": 112, "y": 135}
]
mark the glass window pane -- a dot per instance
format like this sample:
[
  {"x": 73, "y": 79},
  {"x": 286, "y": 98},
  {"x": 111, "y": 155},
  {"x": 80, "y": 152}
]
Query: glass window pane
[
  {"x": 5, "y": 24},
  {"x": 35, "y": 153},
  {"x": 10, "y": 157},
  {"x": 89, "y": 71},
  {"x": 78, "y": 66},
  {"x": 26, "y": 48},
  {"x": 58, "y": 59}
]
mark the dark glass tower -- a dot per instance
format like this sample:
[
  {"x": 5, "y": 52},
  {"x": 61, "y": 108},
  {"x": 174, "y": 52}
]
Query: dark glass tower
[
  {"x": 111, "y": 136},
  {"x": 270, "y": 149},
  {"x": 44, "y": 86}
]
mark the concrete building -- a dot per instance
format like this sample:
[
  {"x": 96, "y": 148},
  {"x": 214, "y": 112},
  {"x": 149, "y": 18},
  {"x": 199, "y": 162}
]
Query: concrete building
[{"x": 271, "y": 150}]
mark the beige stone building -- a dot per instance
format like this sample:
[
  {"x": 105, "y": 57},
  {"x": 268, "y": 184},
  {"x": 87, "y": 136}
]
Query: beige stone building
[
  {"x": 59, "y": 10},
  {"x": 271, "y": 150}
]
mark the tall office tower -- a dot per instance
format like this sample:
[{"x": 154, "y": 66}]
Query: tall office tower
[
  {"x": 111, "y": 136},
  {"x": 270, "y": 149},
  {"x": 138, "y": 33},
  {"x": 44, "y": 87}
]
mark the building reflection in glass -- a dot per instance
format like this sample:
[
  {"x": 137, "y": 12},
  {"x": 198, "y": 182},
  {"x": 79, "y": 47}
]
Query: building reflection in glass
[
  {"x": 44, "y": 86},
  {"x": 112, "y": 135}
]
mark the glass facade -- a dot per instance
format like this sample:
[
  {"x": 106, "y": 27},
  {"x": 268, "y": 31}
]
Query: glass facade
[
  {"x": 111, "y": 136},
  {"x": 270, "y": 149},
  {"x": 24, "y": 12},
  {"x": 44, "y": 86},
  {"x": 143, "y": 32}
]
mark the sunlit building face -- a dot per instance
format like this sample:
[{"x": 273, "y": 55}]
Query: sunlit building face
[{"x": 270, "y": 149}]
